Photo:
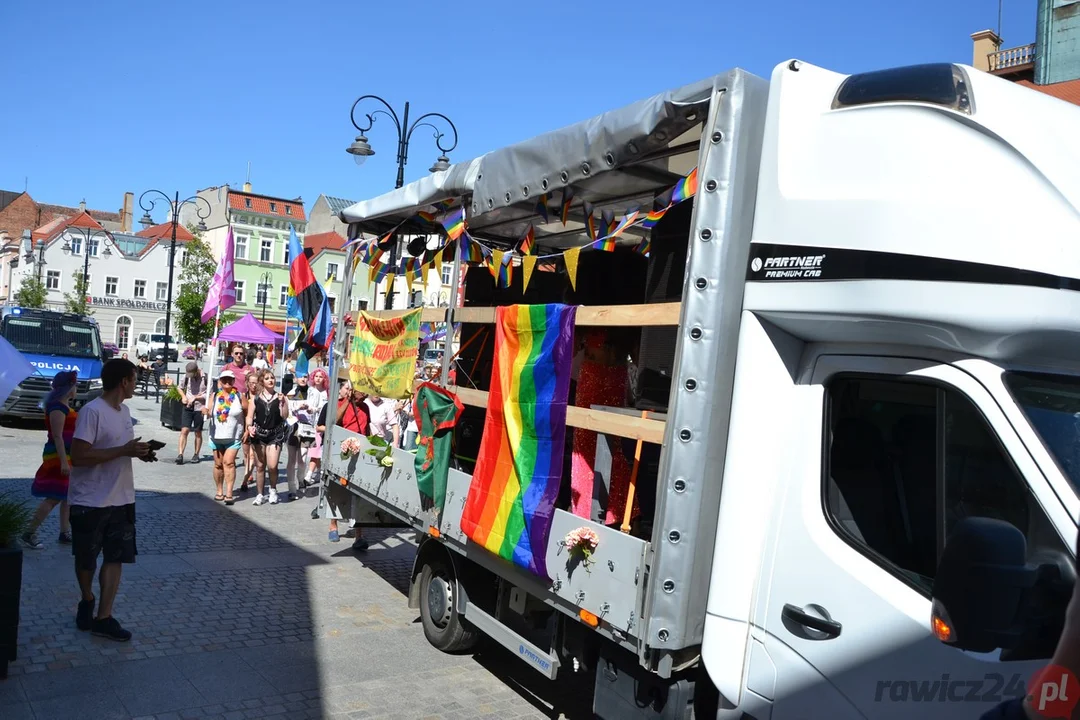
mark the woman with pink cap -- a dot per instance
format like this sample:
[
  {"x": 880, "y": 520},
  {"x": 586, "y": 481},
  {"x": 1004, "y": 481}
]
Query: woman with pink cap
[{"x": 51, "y": 479}]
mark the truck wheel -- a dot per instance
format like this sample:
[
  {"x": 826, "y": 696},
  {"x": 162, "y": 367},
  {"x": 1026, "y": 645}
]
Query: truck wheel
[{"x": 444, "y": 627}]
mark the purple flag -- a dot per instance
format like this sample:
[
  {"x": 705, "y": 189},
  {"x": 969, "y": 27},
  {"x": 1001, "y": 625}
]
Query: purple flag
[
  {"x": 14, "y": 368},
  {"x": 222, "y": 294}
]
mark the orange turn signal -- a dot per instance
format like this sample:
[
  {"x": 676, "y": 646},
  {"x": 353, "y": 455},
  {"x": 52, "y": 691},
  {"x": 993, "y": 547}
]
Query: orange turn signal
[
  {"x": 588, "y": 618},
  {"x": 434, "y": 531},
  {"x": 940, "y": 623}
]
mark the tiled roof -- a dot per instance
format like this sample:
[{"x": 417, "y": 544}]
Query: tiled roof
[
  {"x": 69, "y": 211},
  {"x": 81, "y": 220},
  {"x": 323, "y": 241},
  {"x": 50, "y": 228},
  {"x": 163, "y": 231},
  {"x": 1069, "y": 91},
  {"x": 337, "y": 204},
  {"x": 285, "y": 209}
]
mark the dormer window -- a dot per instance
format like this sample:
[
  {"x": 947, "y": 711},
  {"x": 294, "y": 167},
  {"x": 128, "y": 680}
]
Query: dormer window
[
  {"x": 273, "y": 207},
  {"x": 247, "y": 203},
  {"x": 288, "y": 209}
]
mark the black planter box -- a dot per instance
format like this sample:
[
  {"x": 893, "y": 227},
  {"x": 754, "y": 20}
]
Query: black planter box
[
  {"x": 171, "y": 414},
  {"x": 10, "y": 592}
]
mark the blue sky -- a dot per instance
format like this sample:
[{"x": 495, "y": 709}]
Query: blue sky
[{"x": 181, "y": 96}]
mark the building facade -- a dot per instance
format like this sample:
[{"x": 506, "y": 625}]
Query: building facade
[
  {"x": 1051, "y": 64},
  {"x": 128, "y": 274}
]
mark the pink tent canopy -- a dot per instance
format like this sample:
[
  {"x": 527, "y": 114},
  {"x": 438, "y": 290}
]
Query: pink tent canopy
[{"x": 248, "y": 329}]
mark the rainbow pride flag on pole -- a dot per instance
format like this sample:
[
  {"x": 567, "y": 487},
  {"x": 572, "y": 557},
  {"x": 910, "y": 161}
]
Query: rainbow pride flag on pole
[{"x": 512, "y": 497}]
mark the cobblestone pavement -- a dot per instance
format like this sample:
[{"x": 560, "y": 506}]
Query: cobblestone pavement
[{"x": 242, "y": 612}]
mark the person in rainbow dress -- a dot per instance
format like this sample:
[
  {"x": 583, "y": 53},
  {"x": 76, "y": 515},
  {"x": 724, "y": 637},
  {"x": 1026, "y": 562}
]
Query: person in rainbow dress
[{"x": 51, "y": 480}]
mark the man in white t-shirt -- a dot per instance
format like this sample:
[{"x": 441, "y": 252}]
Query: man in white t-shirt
[
  {"x": 101, "y": 495},
  {"x": 260, "y": 361},
  {"x": 384, "y": 419}
]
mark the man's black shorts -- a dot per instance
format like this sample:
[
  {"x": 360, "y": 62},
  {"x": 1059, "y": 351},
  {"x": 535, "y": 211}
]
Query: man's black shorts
[
  {"x": 107, "y": 531},
  {"x": 191, "y": 419}
]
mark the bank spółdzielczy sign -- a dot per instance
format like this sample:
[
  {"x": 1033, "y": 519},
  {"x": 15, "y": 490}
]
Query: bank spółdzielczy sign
[
  {"x": 125, "y": 303},
  {"x": 382, "y": 359}
]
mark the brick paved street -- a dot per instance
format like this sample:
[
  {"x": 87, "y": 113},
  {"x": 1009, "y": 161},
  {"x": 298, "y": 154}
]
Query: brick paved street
[{"x": 242, "y": 612}]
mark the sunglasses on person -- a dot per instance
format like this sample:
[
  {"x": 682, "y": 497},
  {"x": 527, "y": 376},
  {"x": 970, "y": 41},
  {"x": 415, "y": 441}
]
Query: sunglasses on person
[
  {"x": 226, "y": 380},
  {"x": 238, "y": 354}
]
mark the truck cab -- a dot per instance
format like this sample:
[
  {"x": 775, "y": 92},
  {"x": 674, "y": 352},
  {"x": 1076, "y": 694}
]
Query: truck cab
[{"x": 53, "y": 342}]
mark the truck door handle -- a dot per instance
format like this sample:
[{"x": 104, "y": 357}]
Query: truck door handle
[{"x": 825, "y": 625}]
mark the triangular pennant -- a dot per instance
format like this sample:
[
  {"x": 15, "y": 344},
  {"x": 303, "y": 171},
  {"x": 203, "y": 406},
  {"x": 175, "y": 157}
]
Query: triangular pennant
[
  {"x": 390, "y": 278},
  {"x": 506, "y": 270},
  {"x": 528, "y": 263},
  {"x": 435, "y": 267},
  {"x": 409, "y": 277},
  {"x": 570, "y": 257},
  {"x": 454, "y": 223},
  {"x": 495, "y": 263}
]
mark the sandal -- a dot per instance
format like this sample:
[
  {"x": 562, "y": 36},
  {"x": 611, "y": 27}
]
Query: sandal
[
  {"x": 229, "y": 500},
  {"x": 219, "y": 497}
]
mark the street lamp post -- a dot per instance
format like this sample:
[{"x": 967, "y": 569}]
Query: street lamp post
[
  {"x": 30, "y": 253},
  {"x": 147, "y": 221},
  {"x": 361, "y": 151},
  {"x": 265, "y": 281},
  {"x": 87, "y": 237}
]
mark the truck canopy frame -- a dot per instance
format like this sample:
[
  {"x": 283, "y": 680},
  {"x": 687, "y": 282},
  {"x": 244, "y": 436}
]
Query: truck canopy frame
[{"x": 617, "y": 160}]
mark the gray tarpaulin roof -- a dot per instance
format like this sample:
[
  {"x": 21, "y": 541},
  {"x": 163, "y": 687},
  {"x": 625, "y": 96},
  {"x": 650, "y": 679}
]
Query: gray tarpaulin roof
[{"x": 615, "y": 160}]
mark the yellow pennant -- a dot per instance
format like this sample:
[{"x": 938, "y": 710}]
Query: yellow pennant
[
  {"x": 409, "y": 277},
  {"x": 570, "y": 257},
  {"x": 435, "y": 267},
  {"x": 495, "y": 262},
  {"x": 528, "y": 263},
  {"x": 373, "y": 270},
  {"x": 390, "y": 282}
]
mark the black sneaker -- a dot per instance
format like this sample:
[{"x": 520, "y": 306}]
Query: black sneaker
[
  {"x": 179, "y": 459},
  {"x": 65, "y": 538},
  {"x": 110, "y": 628},
  {"x": 84, "y": 618},
  {"x": 360, "y": 545}
]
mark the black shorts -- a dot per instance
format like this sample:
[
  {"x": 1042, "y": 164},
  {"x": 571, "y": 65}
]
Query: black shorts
[
  {"x": 107, "y": 531},
  {"x": 191, "y": 419}
]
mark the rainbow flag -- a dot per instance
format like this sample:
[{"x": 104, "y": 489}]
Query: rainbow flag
[
  {"x": 567, "y": 199},
  {"x": 455, "y": 223},
  {"x": 685, "y": 188},
  {"x": 511, "y": 499},
  {"x": 528, "y": 242},
  {"x": 542, "y": 207}
]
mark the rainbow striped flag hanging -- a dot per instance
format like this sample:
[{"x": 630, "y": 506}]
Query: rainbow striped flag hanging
[
  {"x": 455, "y": 223},
  {"x": 685, "y": 188},
  {"x": 516, "y": 481},
  {"x": 528, "y": 242}
]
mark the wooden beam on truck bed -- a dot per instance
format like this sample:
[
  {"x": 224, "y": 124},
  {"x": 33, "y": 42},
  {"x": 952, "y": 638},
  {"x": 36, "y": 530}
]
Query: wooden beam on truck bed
[
  {"x": 609, "y": 423},
  {"x": 650, "y": 315}
]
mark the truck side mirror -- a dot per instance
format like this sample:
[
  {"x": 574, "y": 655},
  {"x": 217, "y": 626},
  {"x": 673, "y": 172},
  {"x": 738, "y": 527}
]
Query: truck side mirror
[{"x": 980, "y": 585}]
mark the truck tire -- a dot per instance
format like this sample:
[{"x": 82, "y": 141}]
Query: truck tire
[{"x": 444, "y": 627}]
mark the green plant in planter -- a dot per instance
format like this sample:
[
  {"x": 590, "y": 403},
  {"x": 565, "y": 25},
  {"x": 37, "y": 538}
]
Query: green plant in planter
[
  {"x": 14, "y": 516},
  {"x": 382, "y": 451},
  {"x": 173, "y": 394}
]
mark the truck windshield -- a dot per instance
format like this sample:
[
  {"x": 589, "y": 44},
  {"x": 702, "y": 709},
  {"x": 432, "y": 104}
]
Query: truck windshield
[
  {"x": 53, "y": 336},
  {"x": 1052, "y": 406},
  {"x": 161, "y": 339}
]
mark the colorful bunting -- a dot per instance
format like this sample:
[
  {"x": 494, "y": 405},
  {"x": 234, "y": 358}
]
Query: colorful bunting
[
  {"x": 542, "y": 207},
  {"x": 528, "y": 242},
  {"x": 685, "y": 188}
]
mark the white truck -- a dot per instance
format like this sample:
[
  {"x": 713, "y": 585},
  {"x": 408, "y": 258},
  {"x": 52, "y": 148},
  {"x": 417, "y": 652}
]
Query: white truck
[{"x": 865, "y": 334}]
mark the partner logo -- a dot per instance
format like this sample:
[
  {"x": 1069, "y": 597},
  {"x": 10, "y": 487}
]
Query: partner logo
[
  {"x": 1053, "y": 692},
  {"x": 533, "y": 657}
]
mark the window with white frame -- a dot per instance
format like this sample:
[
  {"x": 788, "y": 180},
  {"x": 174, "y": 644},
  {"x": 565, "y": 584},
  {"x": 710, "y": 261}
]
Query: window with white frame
[
  {"x": 266, "y": 250},
  {"x": 273, "y": 207},
  {"x": 122, "y": 337},
  {"x": 240, "y": 247},
  {"x": 284, "y": 297},
  {"x": 159, "y": 326},
  {"x": 140, "y": 289},
  {"x": 52, "y": 280},
  {"x": 240, "y": 291},
  {"x": 362, "y": 304},
  {"x": 111, "y": 284},
  {"x": 262, "y": 294},
  {"x": 92, "y": 246},
  {"x": 162, "y": 292},
  {"x": 288, "y": 209},
  {"x": 331, "y": 270},
  {"x": 76, "y": 244},
  {"x": 447, "y": 273}
]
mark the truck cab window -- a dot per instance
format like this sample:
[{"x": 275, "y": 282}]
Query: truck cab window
[{"x": 906, "y": 460}]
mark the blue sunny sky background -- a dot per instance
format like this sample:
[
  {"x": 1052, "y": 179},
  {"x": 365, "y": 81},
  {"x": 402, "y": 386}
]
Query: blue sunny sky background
[{"x": 103, "y": 98}]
